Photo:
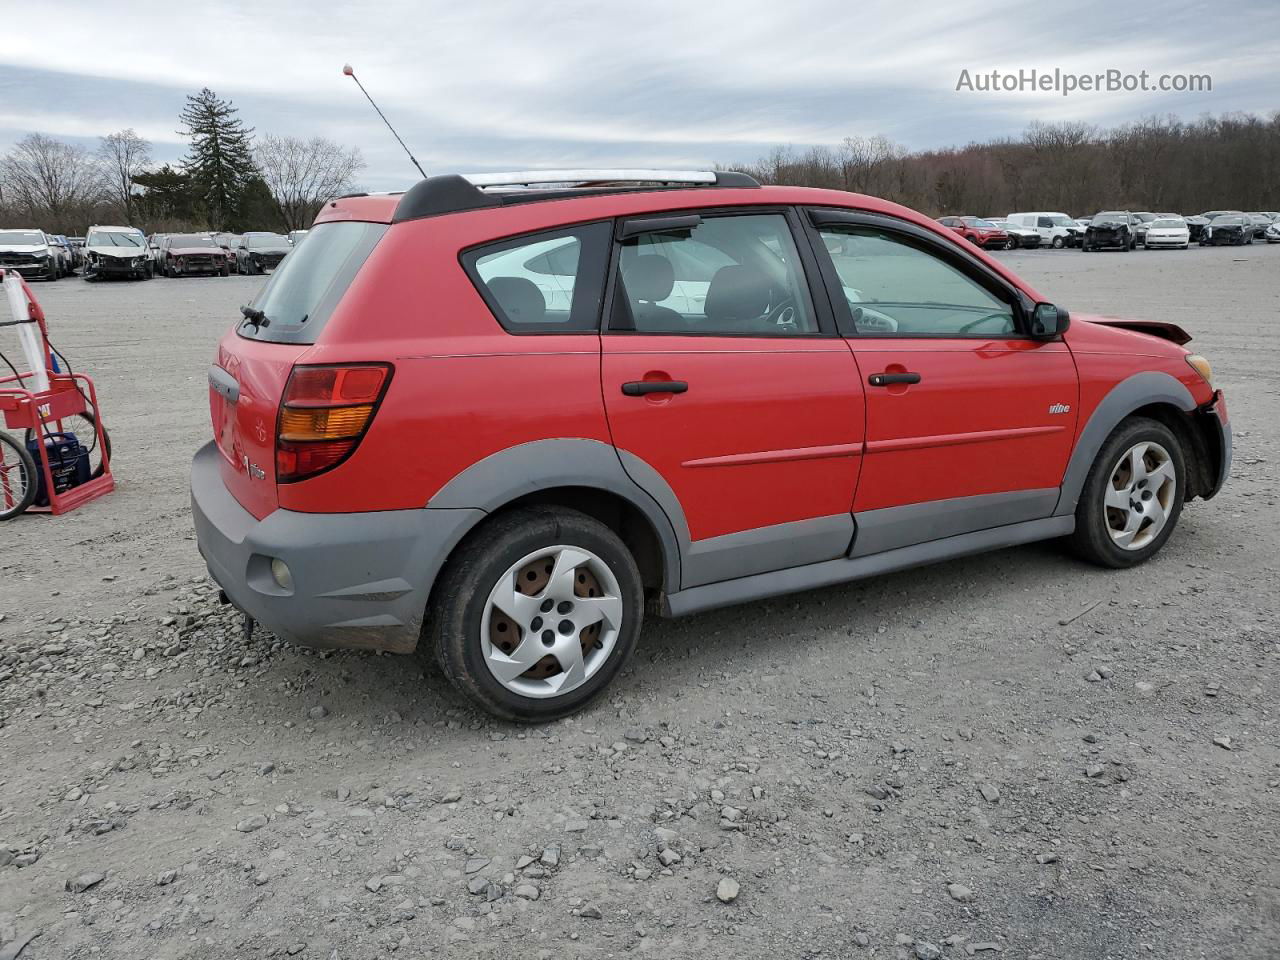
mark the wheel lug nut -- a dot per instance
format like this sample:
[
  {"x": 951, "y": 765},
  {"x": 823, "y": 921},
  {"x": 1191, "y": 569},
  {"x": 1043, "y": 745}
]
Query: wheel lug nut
[
  {"x": 547, "y": 605},
  {"x": 548, "y": 637},
  {"x": 566, "y": 627},
  {"x": 564, "y": 607},
  {"x": 536, "y": 624}
]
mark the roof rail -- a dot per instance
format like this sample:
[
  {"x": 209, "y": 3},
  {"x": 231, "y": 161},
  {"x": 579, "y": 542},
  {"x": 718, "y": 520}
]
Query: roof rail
[{"x": 455, "y": 193}]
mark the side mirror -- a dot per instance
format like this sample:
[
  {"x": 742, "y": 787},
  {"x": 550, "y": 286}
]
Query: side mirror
[{"x": 1049, "y": 321}]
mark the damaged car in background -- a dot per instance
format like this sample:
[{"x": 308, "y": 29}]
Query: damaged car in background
[
  {"x": 30, "y": 253},
  {"x": 1111, "y": 230},
  {"x": 190, "y": 254},
  {"x": 116, "y": 252},
  {"x": 262, "y": 252}
]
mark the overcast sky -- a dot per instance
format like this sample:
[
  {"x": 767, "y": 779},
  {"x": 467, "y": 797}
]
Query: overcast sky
[{"x": 493, "y": 85}]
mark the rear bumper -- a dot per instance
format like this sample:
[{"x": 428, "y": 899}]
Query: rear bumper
[{"x": 360, "y": 580}]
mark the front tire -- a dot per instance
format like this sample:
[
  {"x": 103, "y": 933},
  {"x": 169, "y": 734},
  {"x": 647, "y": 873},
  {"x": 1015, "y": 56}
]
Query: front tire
[
  {"x": 537, "y": 613},
  {"x": 1058, "y": 243},
  {"x": 1132, "y": 497}
]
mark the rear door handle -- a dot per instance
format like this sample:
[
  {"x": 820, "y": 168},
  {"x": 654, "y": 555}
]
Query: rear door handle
[
  {"x": 639, "y": 388},
  {"x": 887, "y": 379}
]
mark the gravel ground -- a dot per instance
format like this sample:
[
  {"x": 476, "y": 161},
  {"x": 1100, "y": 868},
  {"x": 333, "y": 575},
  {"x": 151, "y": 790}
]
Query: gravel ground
[{"x": 1011, "y": 755}]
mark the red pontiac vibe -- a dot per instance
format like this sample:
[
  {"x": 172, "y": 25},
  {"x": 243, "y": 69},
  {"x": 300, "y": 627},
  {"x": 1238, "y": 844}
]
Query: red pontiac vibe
[{"x": 506, "y": 422}]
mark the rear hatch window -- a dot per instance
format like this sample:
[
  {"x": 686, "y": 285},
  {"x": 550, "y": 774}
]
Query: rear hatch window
[{"x": 302, "y": 293}]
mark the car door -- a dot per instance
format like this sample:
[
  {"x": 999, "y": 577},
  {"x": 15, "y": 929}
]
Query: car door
[
  {"x": 970, "y": 420},
  {"x": 740, "y": 411}
]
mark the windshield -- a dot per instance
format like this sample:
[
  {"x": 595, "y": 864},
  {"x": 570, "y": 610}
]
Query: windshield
[
  {"x": 25, "y": 238},
  {"x": 105, "y": 238},
  {"x": 191, "y": 240},
  {"x": 310, "y": 282},
  {"x": 269, "y": 240},
  {"x": 1106, "y": 218},
  {"x": 1061, "y": 221},
  {"x": 1167, "y": 223},
  {"x": 978, "y": 222},
  {"x": 1219, "y": 221}
]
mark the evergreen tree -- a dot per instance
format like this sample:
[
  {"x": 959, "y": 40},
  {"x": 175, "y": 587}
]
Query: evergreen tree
[
  {"x": 258, "y": 209},
  {"x": 220, "y": 161}
]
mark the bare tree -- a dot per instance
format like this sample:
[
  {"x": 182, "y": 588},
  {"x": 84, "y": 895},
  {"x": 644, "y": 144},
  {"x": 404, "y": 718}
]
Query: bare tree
[
  {"x": 124, "y": 155},
  {"x": 303, "y": 174},
  {"x": 44, "y": 177}
]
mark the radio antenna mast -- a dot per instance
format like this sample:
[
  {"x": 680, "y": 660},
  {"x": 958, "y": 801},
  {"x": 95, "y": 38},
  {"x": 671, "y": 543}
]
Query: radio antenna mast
[{"x": 349, "y": 71}]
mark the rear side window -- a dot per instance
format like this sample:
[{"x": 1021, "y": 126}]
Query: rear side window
[
  {"x": 545, "y": 282},
  {"x": 302, "y": 293}
]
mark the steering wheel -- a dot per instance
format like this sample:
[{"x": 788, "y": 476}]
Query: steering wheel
[
  {"x": 974, "y": 323},
  {"x": 783, "y": 314},
  {"x": 866, "y": 320}
]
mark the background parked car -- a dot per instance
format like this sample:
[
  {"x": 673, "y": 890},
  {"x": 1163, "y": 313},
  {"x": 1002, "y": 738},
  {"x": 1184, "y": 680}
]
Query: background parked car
[
  {"x": 1196, "y": 225},
  {"x": 30, "y": 252},
  {"x": 1111, "y": 230},
  {"x": 261, "y": 252},
  {"x": 190, "y": 254},
  {"x": 297, "y": 236},
  {"x": 1020, "y": 238},
  {"x": 1228, "y": 229},
  {"x": 982, "y": 233},
  {"x": 116, "y": 252},
  {"x": 1260, "y": 223},
  {"x": 1168, "y": 232},
  {"x": 1056, "y": 230},
  {"x": 1272, "y": 234},
  {"x": 1144, "y": 219}
]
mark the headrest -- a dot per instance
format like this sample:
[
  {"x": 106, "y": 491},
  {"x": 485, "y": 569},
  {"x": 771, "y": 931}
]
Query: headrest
[
  {"x": 649, "y": 277},
  {"x": 520, "y": 299},
  {"x": 736, "y": 293}
]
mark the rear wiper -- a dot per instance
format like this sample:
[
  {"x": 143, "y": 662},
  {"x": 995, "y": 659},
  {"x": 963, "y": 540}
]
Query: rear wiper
[{"x": 255, "y": 316}]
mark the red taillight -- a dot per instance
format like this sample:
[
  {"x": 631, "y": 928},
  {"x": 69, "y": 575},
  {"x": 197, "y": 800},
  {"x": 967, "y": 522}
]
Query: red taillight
[{"x": 324, "y": 413}]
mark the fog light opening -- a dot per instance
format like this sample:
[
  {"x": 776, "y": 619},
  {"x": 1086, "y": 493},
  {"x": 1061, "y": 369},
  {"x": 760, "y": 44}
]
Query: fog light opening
[{"x": 281, "y": 574}]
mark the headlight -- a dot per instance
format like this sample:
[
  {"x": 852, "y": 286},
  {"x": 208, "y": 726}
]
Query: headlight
[{"x": 1201, "y": 366}]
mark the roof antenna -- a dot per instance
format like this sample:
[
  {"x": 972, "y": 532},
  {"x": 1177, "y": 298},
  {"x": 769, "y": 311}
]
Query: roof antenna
[{"x": 349, "y": 71}]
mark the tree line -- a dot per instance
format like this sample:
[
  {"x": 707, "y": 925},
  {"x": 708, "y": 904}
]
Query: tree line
[
  {"x": 1159, "y": 164},
  {"x": 229, "y": 179}
]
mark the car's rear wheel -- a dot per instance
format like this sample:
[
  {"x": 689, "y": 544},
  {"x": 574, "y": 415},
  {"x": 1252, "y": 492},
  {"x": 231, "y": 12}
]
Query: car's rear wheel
[
  {"x": 1132, "y": 497},
  {"x": 537, "y": 613}
]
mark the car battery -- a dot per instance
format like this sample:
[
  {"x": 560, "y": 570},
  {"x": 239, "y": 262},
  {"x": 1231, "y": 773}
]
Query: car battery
[{"x": 68, "y": 463}]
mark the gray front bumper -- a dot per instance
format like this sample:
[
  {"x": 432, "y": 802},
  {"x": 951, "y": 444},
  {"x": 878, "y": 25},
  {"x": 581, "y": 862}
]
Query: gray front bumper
[{"x": 359, "y": 579}]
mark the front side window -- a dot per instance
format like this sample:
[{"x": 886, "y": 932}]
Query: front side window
[
  {"x": 737, "y": 275},
  {"x": 896, "y": 287},
  {"x": 545, "y": 283}
]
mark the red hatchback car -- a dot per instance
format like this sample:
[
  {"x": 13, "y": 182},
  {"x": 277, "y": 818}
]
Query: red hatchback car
[
  {"x": 507, "y": 421},
  {"x": 979, "y": 232}
]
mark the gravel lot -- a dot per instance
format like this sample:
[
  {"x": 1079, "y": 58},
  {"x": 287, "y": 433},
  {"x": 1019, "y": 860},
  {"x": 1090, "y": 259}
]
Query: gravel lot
[{"x": 1012, "y": 755}]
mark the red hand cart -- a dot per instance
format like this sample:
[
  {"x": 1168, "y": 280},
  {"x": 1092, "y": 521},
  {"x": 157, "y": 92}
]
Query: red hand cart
[{"x": 70, "y": 397}]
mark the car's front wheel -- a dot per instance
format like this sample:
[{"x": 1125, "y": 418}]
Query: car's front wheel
[
  {"x": 537, "y": 612},
  {"x": 1132, "y": 497}
]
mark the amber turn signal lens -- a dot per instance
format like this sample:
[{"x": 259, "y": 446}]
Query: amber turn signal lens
[
  {"x": 302, "y": 424},
  {"x": 1201, "y": 366}
]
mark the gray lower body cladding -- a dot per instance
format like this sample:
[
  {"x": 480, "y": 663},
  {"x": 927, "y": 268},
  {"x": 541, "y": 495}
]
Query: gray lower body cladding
[{"x": 360, "y": 580}]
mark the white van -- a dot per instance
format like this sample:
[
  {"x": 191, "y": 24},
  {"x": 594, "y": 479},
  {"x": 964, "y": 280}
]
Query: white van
[{"x": 1056, "y": 230}]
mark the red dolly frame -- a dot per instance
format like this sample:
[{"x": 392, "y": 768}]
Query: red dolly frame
[{"x": 68, "y": 394}]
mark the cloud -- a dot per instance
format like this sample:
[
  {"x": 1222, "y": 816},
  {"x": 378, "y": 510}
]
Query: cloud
[{"x": 498, "y": 84}]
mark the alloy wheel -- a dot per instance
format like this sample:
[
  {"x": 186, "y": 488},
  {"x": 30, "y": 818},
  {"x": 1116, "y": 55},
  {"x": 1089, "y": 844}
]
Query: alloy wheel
[
  {"x": 551, "y": 621},
  {"x": 1140, "y": 495}
]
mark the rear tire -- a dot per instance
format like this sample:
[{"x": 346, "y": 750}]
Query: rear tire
[
  {"x": 540, "y": 587},
  {"x": 1134, "y": 490}
]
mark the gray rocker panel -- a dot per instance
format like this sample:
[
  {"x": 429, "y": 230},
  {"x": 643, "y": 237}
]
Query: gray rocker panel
[
  {"x": 893, "y": 527},
  {"x": 808, "y": 577},
  {"x": 767, "y": 548},
  {"x": 1125, "y": 397}
]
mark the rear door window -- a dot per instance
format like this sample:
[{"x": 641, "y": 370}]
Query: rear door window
[{"x": 302, "y": 293}]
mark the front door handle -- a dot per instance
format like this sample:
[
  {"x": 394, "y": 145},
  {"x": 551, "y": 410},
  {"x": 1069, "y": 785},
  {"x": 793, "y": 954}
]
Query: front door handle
[
  {"x": 888, "y": 379},
  {"x": 639, "y": 388}
]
